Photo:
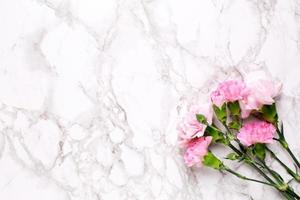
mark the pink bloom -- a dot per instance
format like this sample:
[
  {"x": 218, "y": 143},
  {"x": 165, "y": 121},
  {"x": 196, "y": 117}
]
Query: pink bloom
[
  {"x": 190, "y": 128},
  {"x": 196, "y": 150},
  {"x": 229, "y": 91},
  {"x": 256, "y": 132},
  {"x": 262, "y": 92}
]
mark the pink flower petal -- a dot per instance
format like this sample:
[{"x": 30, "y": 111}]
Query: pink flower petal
[
  {"x": 196, "y": 150},
  {"x": 256, "y": 131}
]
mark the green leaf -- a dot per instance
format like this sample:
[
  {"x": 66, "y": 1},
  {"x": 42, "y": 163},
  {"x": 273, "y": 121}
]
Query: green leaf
[
  {"x": 210, "y": 160},
  {"x": 259, "y": 150},
  {"x": 217, "y": 135},
  {"x": 201, "y": 118},
  {"x": 221, "y": 113},
  {"x": 282, "y": 140},
  {"x": 281, "y": 129},
  {"x": 284, "y": 144},
  {"x": 234, "y": 108},
  {"x": 277, "y": 175},
  {"x": 232, "y": 156},
  {"x": 269, "y": 113}
]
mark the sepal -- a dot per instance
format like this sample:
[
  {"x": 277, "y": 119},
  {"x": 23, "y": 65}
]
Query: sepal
[
  {"x": 235, "y": 125},
  {"x": 269, "y": 113},
  {"x": 221, "y": 113},
  {"x": 216, "y": 134},
  {"x": 259, "y": 151},
  {"x": 233, "y": 156},
  {"x": 210, "y": 160},
  {"x": 201, "y": 118},
  {"x": 234, "y": 108}
]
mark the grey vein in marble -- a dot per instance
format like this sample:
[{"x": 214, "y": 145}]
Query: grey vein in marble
[{"x": 91, "y": 91}]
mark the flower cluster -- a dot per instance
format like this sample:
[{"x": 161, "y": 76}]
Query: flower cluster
[
  {"x": 251, "y": 96},
  {"x": 191, "y": 133},
  {"x": 247, "y": 111}
]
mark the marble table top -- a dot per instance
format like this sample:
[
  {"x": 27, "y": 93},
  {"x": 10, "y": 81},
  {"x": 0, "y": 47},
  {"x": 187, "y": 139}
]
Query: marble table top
[{"x": 91, "y": 92}]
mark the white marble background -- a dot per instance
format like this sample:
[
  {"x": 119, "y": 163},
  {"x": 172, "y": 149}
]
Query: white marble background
[{"x": 91, "y": 90}]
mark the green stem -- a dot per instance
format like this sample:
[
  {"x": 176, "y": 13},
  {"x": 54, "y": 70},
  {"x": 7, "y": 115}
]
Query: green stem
[
  {"x": 289, "y": 170},
  {"x": 287, "y": 195},
  {"x": 293, "y": 157},
  {"x": 272, "y": 172},
  {"x": 246, "y": 178},
  {"x": 282, "y": 185},
  {"x": 285, "y": 145},
  {"x": 252, "y": 164},
  {"x": 292, "y": 193}
]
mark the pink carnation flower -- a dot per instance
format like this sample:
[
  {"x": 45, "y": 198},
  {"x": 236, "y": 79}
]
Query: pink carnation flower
[
  {"x": 190, "y": 128},
  {"x": 262, "y": 92},
  {"x": 229, "y": 91},
  {"x": 196, "y": 150},
  {"x": 256, "y": 132}
]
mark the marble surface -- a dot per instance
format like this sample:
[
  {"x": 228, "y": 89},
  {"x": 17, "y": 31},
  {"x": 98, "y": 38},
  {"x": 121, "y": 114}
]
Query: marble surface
[{"x": 91, "y": 91}]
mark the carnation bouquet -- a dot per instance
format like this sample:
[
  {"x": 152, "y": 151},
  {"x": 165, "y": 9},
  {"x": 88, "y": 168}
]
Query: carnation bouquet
[{"x": 242, "y": 117}]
